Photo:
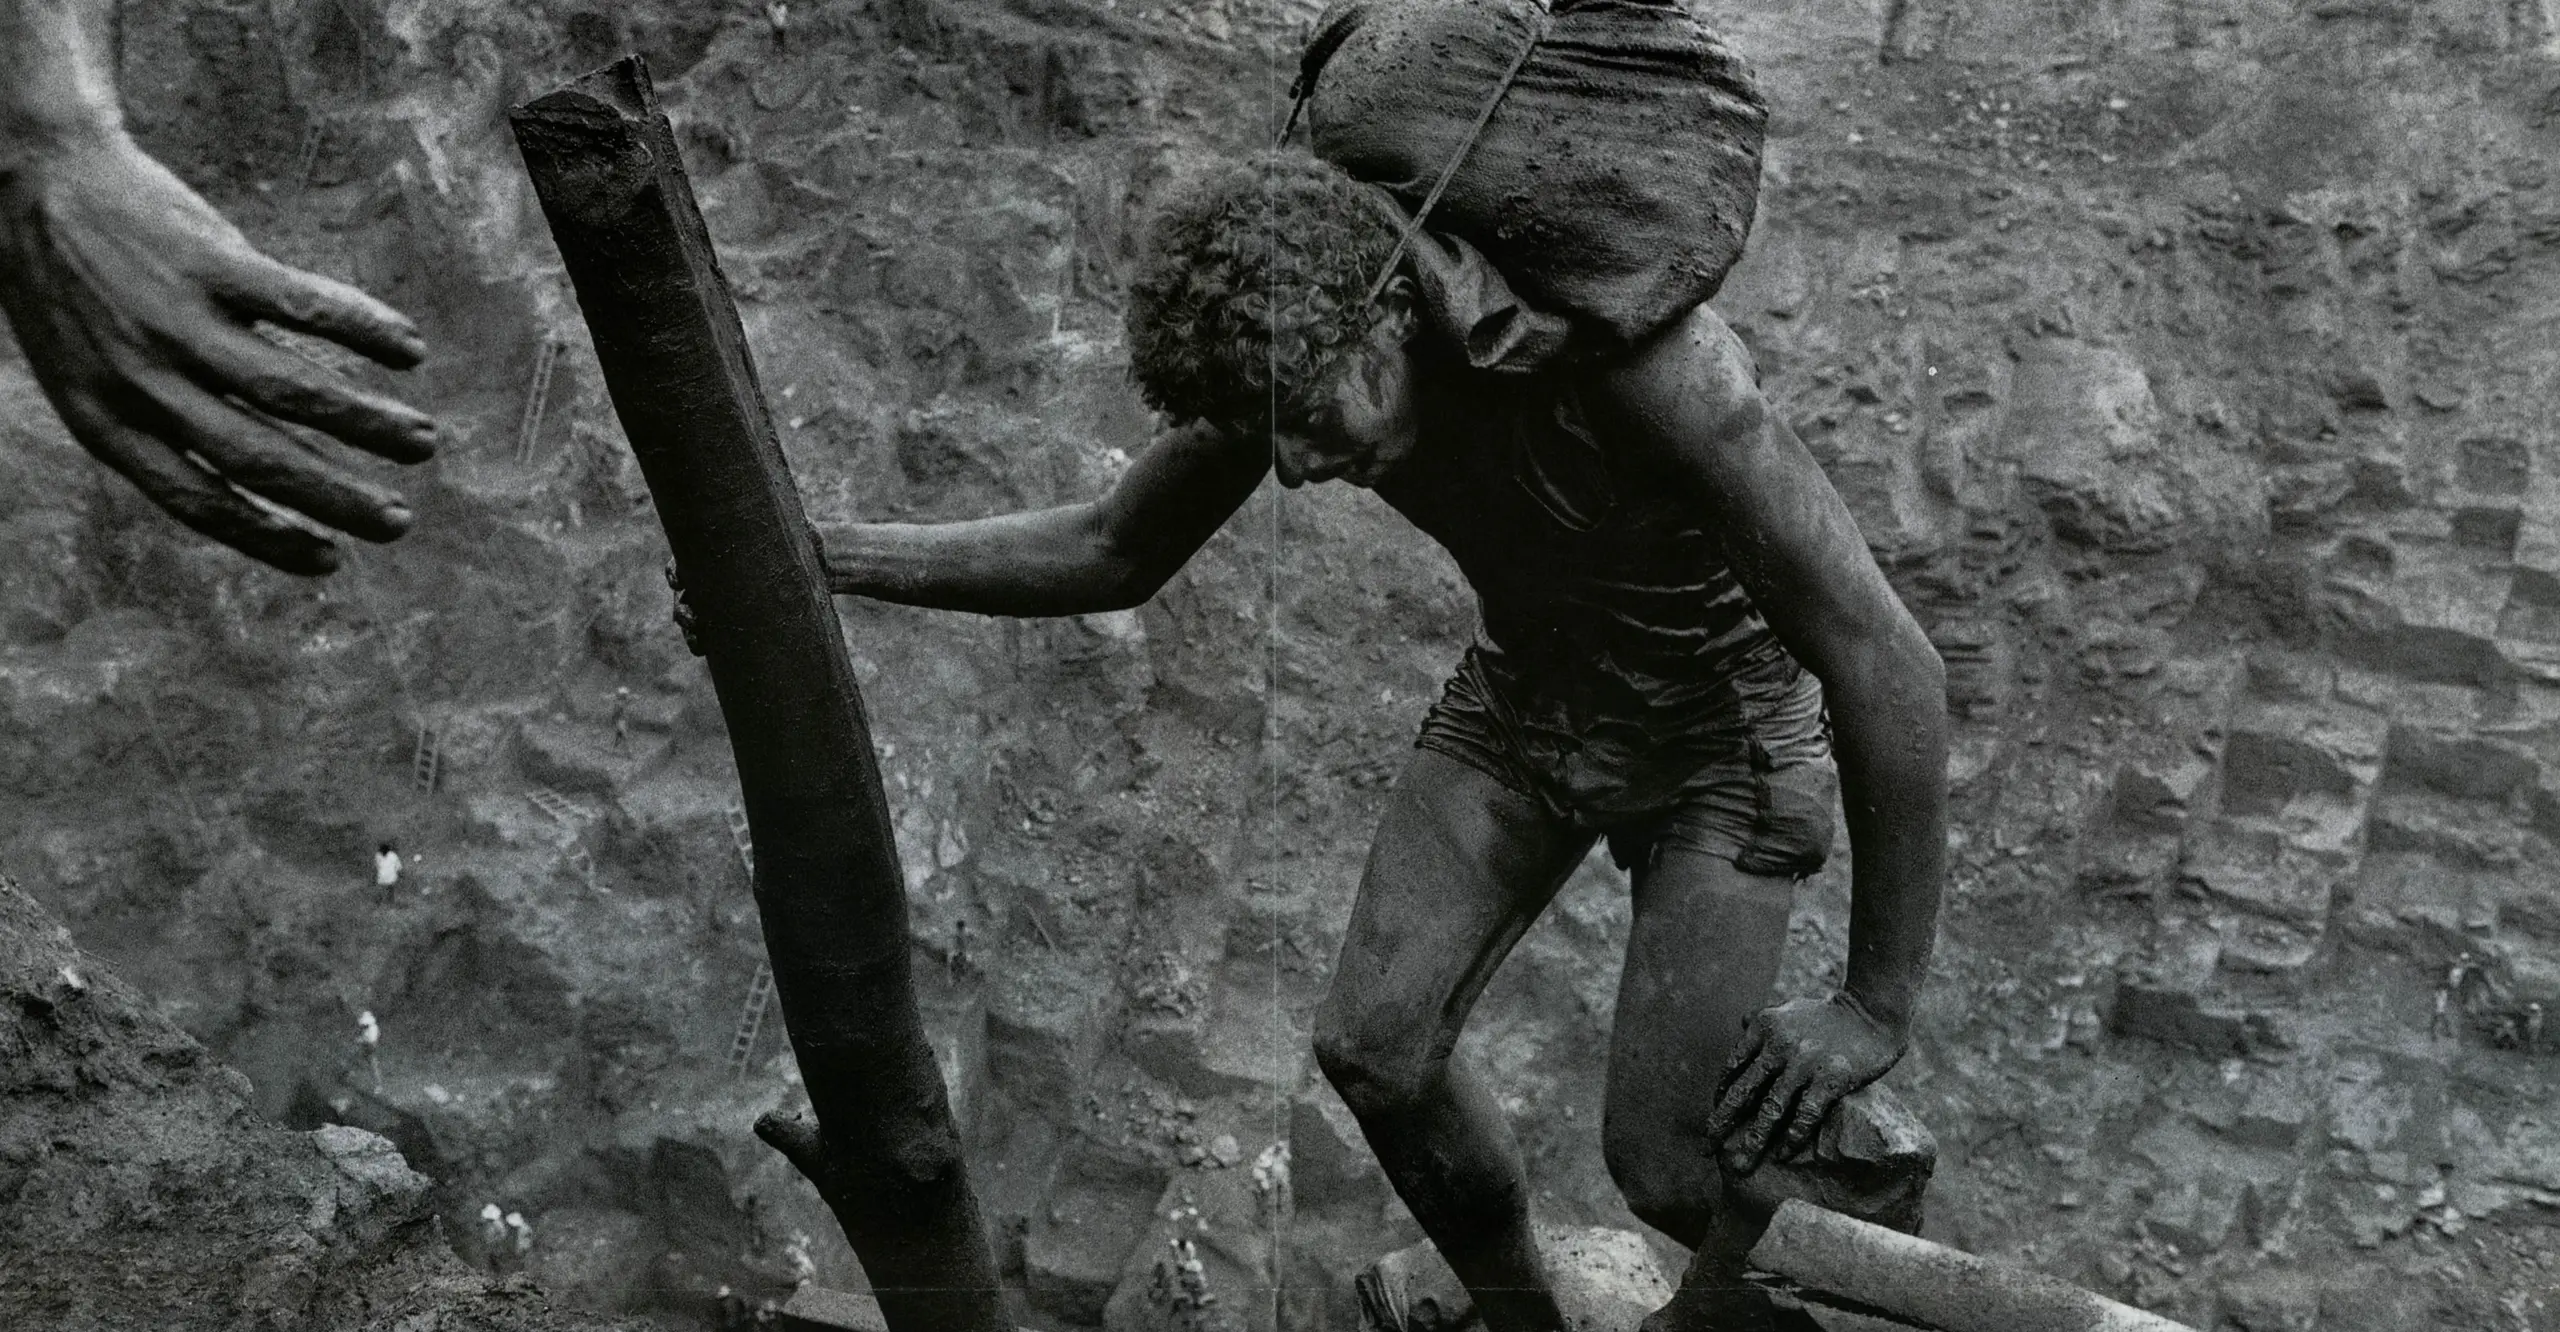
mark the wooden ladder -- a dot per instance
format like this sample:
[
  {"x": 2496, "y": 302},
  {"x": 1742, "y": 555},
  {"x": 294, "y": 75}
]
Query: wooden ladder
[
  {"x": 563, "y": 811},
  {"x": 742, "y": 1047},
  {"x": 307, "y": 159},
  {"x": 426, "y": 761},
  {"x": 537, "y": 399},
  {"x": 740, "y": 838}
]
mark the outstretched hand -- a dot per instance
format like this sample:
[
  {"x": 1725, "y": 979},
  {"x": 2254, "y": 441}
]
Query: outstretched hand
[
  {"x": 1794, "y": 1063},
  {"x": 134, "y": 302}
]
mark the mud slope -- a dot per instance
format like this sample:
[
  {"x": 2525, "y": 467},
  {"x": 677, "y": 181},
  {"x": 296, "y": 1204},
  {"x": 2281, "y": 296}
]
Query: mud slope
[
  {"x": 2185, "y": 360},
  {"x": 140, "y": 1191}
]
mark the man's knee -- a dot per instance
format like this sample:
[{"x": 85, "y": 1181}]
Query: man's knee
[
  {"x": 1669, "y": 1180},
  {"x": 1375, "y": 1071}
]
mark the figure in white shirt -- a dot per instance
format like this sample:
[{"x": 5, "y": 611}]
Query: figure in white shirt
[
  {"x": 386, "y": 870},
  {"x": 369, "y": 1035}
]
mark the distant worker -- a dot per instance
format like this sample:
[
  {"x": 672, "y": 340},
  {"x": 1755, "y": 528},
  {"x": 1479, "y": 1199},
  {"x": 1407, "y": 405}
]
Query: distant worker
[
  {"x": 386, "y": 870},
  {"x": 493, "y": 1232},
  {"x": 2468, "y": 980},
  {"x": 369, "y": 1035},
  {"x": 622, "y": 717},
  {"x": 523, "y": 1232}
]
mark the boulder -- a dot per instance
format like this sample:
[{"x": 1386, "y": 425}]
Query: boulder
[
  {"x": 1872, "y": 1161},
  {"x": 815, "y": 1308},
  {"x": 1236, "y": 1042},
  {"x": 1099, "y": 1206},
  {"x": 2166, "y": 994},
  {"x": 1044, "y": 1031},
  {"x": 2160, "y": 796},
  {"x": 1605, "y": 1280}
]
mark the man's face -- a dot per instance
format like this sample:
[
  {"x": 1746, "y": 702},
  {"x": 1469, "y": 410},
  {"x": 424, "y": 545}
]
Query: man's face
[{"x": 1357, "y": 427}]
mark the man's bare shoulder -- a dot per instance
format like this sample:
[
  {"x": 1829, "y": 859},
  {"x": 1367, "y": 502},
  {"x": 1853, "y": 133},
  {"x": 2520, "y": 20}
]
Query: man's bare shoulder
[{"x": 1694, "y": 382}]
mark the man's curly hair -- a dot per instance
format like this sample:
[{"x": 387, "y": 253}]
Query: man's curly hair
[{"x": 1255, "y": 277}]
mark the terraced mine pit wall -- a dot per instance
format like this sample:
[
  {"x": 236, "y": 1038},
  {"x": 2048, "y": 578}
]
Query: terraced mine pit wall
[{"x": 2186, "y": 361}]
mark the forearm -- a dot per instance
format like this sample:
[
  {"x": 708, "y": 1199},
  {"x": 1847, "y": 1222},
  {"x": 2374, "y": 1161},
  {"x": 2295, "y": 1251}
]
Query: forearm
[
  {"x": 1889, "y": 723},
  {"x": 1045, "y": 562},
  {"x": 57, "y": 76}
]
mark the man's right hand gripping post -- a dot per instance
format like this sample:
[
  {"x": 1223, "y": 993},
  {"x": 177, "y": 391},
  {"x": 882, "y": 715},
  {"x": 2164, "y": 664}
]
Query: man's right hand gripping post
[{"x": 135, "y": 303}]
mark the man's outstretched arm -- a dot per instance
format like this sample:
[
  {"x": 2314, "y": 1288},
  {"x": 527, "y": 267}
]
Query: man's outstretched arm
[
  {"x": 1692, "y": 399},
  {"x": 134, "y": 303},
  {"x": 1109, "y": 553}
]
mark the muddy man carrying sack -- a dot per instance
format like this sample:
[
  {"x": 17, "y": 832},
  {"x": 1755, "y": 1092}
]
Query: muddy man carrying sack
[{"x": 1607, "y": 152}]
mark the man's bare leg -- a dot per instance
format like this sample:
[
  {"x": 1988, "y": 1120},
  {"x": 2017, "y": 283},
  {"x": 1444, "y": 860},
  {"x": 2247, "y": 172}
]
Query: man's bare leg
[
  {"x": 1460, "y": 868},
  {"x": 1701, "y": 959}
]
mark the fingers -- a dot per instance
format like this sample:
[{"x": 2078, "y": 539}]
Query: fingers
[
  {"x": 1746, "y": 1151},
  {"x": 233, "y": 361},
  {"x": 1746, "y": 1048},
  {"x": 1742, "y": 1091},
  {"x": 259, "y": 458},
  {"x": 1812, "y": 1109},
  {"x": 250, "y": 284},
  {"x": 197, "y": 498}
]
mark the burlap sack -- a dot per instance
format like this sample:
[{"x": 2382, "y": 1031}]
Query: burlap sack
[{"x": 1613, "y": 187}]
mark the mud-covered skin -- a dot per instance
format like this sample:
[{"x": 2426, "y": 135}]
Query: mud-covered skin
[
  {"x": 1693, "y": 397},
  {"x": 1461, "y": 866},
  {"x": 134, "y": 302},
  {"x": 2239, "y": 310}
]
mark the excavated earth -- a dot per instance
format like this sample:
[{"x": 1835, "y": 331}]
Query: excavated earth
[{"x": 2186, "y": 362}]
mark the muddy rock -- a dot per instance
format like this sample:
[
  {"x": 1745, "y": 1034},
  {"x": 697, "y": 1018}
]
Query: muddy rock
[{"x": 1872, "y": 1160}]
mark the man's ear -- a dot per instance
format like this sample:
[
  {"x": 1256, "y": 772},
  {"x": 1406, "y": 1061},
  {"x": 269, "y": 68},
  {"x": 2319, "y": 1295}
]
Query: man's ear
[{"x": 1399, "y": 311}]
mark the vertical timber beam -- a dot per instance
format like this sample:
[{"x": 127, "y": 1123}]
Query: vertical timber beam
[{"x": 885, "y": 1153}]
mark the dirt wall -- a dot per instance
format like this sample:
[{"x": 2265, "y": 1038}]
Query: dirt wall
[{"x": 2184, "y": 361}]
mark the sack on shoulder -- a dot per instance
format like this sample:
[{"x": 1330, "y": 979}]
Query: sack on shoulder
[{"x": 1614, "y": 184}]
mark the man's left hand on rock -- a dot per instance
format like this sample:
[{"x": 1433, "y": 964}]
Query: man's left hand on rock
[{"x": 1794, "y": 1063}]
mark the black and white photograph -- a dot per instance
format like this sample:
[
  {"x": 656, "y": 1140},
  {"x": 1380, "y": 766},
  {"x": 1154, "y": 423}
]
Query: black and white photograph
[{"x": 1279, "y": 665}]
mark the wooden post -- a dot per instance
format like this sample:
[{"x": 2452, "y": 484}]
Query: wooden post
[
  {"x": 885, "y": 1153},
  {"x": 1931, "y": 1285}
]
